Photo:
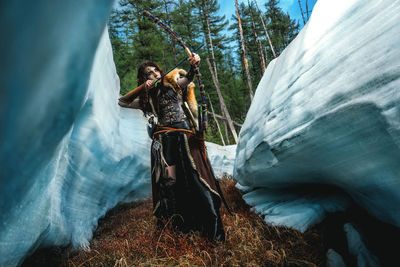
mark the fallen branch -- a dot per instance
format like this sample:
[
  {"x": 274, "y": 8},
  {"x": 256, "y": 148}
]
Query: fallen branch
[{"x": 223, "y": 118}]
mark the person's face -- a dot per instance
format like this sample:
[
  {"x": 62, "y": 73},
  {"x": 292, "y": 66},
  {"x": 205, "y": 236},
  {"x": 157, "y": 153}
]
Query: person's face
[{"x": 152, "y": 73}]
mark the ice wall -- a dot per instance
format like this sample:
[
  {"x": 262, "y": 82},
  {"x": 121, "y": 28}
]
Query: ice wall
[
  {"x": 324, "y": 129},
  {"x": 46, "y": 52},
  {"x": 47, "y": 95},
  {"x": 222, "y": 158},
  {"x": 68, "y": 152},
  {"x": 101, "y": 160}
]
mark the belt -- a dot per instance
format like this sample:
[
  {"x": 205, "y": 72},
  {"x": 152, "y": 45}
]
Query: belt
[{"x": 170, "y": 129}]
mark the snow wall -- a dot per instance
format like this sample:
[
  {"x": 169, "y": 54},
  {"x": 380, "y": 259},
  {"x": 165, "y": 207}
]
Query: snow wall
[
  {"x": 323, "y": 131},
  {"x": 68, "y": 152}
]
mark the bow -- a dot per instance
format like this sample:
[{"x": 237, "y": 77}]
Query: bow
[{"x": 203, "y": 122}]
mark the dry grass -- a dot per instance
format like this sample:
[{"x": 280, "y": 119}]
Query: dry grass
[{"x": 128, "y": 236}]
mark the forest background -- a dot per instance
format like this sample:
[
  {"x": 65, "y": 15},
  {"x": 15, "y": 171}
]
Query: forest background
[{"x": 234, "y": 57}]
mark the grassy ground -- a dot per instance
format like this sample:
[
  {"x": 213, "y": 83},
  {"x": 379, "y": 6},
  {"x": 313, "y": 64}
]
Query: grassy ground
[{"x": 128, "y": 236}]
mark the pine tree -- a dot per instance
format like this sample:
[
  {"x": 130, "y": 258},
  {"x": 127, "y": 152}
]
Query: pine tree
[
  {"x": 213, "y": 26},
  {"x": 282, "y": 28},
  {"x": 121, "y": 50},
  {"x": 136, "y": 39},
  {"x": 133, "y": 39}
]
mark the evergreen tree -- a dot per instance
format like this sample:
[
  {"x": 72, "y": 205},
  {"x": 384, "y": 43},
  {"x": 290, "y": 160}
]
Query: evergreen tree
[
  {"x": 251, "y": 43},
  {"x": 135, "y": 39},
  {"x": 246, "y": 30},
  {"x": 282, "y": 28},
  {"x": 212, "y": 27}
]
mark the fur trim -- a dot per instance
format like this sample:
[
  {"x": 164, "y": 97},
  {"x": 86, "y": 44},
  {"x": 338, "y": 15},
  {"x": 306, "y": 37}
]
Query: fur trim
[
  {"x": 191, "y": 99},
  {"x": 171, "y": 80}
]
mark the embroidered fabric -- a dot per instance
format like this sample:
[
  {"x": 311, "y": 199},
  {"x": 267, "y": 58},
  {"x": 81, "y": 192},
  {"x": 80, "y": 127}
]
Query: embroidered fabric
[{"x": 170, "y": 107}]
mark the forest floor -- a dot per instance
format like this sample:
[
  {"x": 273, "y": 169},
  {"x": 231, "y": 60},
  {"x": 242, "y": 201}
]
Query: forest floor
[{"x": 128, "y": 236}]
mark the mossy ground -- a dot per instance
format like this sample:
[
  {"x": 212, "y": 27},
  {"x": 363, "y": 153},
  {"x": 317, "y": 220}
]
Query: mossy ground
[{"x": 128, "y": 236}]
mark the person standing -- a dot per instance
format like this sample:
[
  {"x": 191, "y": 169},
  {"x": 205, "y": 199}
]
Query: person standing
[{"x": 185, "y": 191}]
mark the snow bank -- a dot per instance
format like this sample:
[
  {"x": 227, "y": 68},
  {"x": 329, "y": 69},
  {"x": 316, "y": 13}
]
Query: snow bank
[{"x": 324, "y": 129}]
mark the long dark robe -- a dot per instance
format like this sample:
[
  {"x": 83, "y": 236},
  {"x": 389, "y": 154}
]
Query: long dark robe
[{"x": 192, "y": 200}]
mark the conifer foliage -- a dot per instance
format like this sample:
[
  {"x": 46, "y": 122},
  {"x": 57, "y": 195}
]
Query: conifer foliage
[{"x": 135, "y": 39}]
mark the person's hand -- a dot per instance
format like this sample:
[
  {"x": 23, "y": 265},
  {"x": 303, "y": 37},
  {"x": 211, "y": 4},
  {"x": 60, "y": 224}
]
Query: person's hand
[
  {"x": 149, "y": 84},
  {"x": 194, "y": 59}
]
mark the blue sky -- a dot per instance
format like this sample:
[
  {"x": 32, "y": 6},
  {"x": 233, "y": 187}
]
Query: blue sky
[{"x": 227, "y": 7}]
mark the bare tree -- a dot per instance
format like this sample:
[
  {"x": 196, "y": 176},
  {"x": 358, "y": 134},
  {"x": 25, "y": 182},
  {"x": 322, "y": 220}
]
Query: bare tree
[
  {"x": 266, "y": 31},
  {"x": 209, "y": 39},
  {"x": 302, "y": 13},
  {"x": 226, "y": 132},
  {"x": 223, "y": 118},
  {"x": 216, "y": 121},
  {"x": 168, "y": 20},
  {"x": 307, "y": 10},
  {"x": 222, "y": 102},
  {"x": 259, "y": 48},
  {"x": 245, "y": 60},
  {"x": 214, "y": 73}
]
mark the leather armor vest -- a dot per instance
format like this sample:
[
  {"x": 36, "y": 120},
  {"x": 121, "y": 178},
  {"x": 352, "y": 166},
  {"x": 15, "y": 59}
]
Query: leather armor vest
[{"x": 170, "y": 107}]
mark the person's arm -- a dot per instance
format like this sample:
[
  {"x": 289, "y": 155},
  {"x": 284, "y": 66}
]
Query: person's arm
[
  {"x": 129, "y": 97},
  {"x": 184, "y": 81},
  {"x": 134, "y": 104},
  {"x": 123, "y": 103},
  {"x": 129, "y": 100}
]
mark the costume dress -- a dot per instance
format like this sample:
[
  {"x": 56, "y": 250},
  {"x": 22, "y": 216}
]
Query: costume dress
[{"x": 185, "y": 191}]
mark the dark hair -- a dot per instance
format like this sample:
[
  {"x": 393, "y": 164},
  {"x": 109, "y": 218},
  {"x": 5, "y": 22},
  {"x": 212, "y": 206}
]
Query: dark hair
[{"x": 144, "y": 96}]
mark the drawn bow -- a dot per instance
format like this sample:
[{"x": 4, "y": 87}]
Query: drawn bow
[{"x": 203, "y": 122}]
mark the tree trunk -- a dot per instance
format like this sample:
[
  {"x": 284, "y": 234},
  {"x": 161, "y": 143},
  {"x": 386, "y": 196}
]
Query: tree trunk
[
  {"x": 210, "y": 44},
  {"x": 266, "y": 31},
  {"x": 226, "y": 133},
  {"x": 214, "y": 74},
  {"x": 222, "y": 102},
  {"x": 223, "y": 118},
  {"x": 302, "y": 14},
  {"x": 170, "y": 37},
  {"x": 245, "y": 61},
  {"x": 259, "y": 48},
  {"x": 213, "y": 113}
]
